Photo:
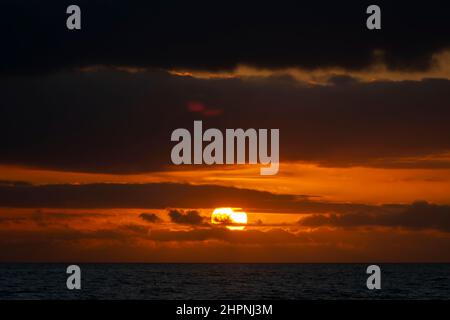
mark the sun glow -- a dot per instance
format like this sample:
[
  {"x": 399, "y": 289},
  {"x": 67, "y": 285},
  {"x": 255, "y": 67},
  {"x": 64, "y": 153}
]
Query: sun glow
[{"x": 235, "y": 220}]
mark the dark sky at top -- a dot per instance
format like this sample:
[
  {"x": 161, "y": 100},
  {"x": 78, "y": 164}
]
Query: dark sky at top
[
  {"x": 218, "y": 35},
  {"x": 52, "y": 116}
]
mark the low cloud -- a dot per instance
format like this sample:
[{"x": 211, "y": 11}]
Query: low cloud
[
  {"x": 44, "y": 218},
  {"x": 419, "y": 215},
  {"x": 273, "y": 236},
  {"x": 191, "y": 217},
  {"x": 150, "y": 217},
  {"x": 136, "y": 243}
]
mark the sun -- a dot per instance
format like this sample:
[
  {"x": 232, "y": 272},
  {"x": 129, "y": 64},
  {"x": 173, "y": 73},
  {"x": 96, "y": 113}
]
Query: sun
[{"x": 234, "y": 220}]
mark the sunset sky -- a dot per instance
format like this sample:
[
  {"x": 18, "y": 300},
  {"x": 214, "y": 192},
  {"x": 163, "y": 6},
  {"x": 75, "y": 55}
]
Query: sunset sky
[{"x": 86, "y": 118}]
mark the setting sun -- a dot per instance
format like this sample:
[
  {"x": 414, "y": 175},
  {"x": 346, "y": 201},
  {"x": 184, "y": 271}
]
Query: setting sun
[{"x": 229, "y": 217}]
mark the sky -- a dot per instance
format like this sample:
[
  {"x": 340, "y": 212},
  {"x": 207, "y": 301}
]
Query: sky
[{"x": 86, "y": 118}]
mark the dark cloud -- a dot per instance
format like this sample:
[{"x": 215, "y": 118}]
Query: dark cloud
[
  {"x": 191, "y": 217},
  {"x": 419, "y": 215},
  {"x": 136, "y": 230},
  {"x": 44, "y": 218},
  {"x": 342, "y": 80},
  {"x": 118, "y": 122},
  {"x": 60, "y": 234},
  {"x": 150, "y": 217},
  {"x": 14, "y": 183},
  {"x": 219, "y": 35},
  {"x": 273, "y": 236},
  {"x": 163, "y": 195},
  {"x": 132, "y": 244}
]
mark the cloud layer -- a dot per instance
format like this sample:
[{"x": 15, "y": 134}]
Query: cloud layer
[
  {"x": 419, "y": 215},
  {"x": 118, "y": 122}
]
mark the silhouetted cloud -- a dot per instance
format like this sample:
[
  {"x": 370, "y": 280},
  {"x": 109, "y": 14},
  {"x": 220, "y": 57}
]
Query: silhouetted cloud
[
  {"x": 419, "y": 215},
  {"x": 191, "y": 217},
  {"x": 150, "y": 217},
  {"x": 134, "y": 244},
  {"x": 272, "y": 236},
  {"x": 14, "y": 183},
  {"x": 44, "y": 218},
  {"x": 161, "y": 196}
]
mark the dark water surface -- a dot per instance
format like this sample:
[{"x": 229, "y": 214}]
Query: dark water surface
[{"x": 225, "y": 281}]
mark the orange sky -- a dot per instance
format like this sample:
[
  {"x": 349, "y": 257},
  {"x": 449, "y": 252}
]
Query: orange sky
[
  {"x": 64, "y": 234},
  {"x": 354, "y": 184},
  {"x": 392, "y": 204}
]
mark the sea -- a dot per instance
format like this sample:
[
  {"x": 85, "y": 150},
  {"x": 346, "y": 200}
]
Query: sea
[{"x": 174, "y": 281}]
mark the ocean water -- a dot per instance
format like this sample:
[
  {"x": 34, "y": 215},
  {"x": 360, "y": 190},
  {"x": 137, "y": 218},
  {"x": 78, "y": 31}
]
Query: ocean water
[{"x": 225, "y": 281}]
